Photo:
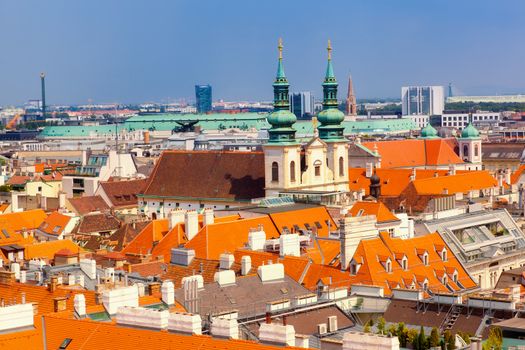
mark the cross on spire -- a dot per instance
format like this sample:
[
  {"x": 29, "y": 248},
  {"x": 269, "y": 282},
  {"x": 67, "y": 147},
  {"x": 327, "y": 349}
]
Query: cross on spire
[
  {"x": 280, "y": 48},
  {"x": 329, "y": 49}
]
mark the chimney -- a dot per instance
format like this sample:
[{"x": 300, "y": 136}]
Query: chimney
[
  {"x": 226, "y": 261},
  {"x": 182, "y": 256},
  {"x": 256, "y": 238},
  {"x": 141, "y": 289},
  {"x": 62, "y": 200},
  {"x": 224, "y": 277},
  {"x": 175, "y": 217},
  {"x": 507, "y": 175},
  {"x": 23, "y": 276},
  {"x": 273, "y": 272},
  {"x": 225, "y": 328},
  {"x": 208, "y": 216},
  {"x": 59, "y": 304},
  {"x": 452, "y": 169},
  {"x": 246, "y": 265},
  {"x": 53, "y": 283},
  {"x": 277, "y": 334},
  {"x": 79, "y": 303},
  {"x": 168, "y": 293},
  {"x": 413, "y": 174},
  {"x": 289, "y": 245},
  {"x": 154, "y": 288},
  {"x": 191, "y": 223},
  {"x": 369, "y": 169},
  {"x": 15, "y": 267},
  {"x": 361, "y": 194},
  {"x": 14, "y": 202},
  {"x": 351, "y": 231},
  {"x": 332, "y": 324}
]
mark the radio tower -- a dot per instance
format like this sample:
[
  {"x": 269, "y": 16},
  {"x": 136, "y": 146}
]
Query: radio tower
[
  {"x": 449, "y": 89},
  {"x": 351, "y": 104},
  {"x": 43, "y": 87}
]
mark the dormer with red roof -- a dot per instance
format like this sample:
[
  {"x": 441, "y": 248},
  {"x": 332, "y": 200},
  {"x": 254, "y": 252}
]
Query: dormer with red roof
[{"x": 56, "y": 226}]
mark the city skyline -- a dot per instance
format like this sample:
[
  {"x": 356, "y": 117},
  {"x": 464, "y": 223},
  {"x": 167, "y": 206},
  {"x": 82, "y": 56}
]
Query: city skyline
[{"x": 118, "y": 53}]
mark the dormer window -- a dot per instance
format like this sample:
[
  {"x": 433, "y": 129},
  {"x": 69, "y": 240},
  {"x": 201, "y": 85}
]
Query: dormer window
[
  {"x": 404, "y": 263},
  {"x": 354, "y": 267},
  {"x": 444, "y": 254},
  {"x": 425, "y": 285},
  {"x": 425, "y": 258},
  {"x": 455, "y": 277},
  {"x": 444, "y": 280},
  {"x": 388, "y": 266}
]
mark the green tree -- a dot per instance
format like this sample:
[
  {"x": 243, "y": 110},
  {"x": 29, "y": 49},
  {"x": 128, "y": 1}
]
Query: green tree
[
  {"x": 367, "y": 327},
  {"x": 402, "y": 334},
  {"x": 434, "y": 338},
  {"x": 421, "y": 340},
  {"x": 392, "y": 330},
  {"x": 495, "y": 339},
  {"x": 450, "y": 340},
  {"x": 465, "y": 336},
  {"x": 412, "y": 336},
  {"x": 381, "y": 325},
  {"x": 5, "y": 188}
]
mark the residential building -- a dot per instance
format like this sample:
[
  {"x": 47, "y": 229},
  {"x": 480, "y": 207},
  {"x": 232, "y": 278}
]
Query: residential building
[
  {"x": 424, "y": 100},
  {"x": 98, "y": 167},
  {"x": 121, "y": 196},
  {"x": 204, "y": 98},
  {"x": 461, "y": 120},
  {"x": 302, "y": 104},
  {"x": 485, "y": 242},
  {"x": 56, "y": 226}
]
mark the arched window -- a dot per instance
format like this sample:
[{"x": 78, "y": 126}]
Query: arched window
[
  {"x": 388, "y": 266},
  {"x": 275, "y": 172},
  {"x": 404, "y": 263},
  {"x": 341, "y": 166},
  {"x": 465, "y": 151},
  {"x": 425, "y": 259},
  {"x": 476, "y": 150},
  {"x": 317, "y": 168},
  {"x": 292, "y": 171}
]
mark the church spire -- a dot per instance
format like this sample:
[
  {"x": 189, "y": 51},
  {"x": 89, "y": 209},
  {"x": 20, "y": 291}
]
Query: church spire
[
  {"x": 351, "y": 103},
  {"x": 281, "y": 119},
  {"x": 330, "y": 117}
]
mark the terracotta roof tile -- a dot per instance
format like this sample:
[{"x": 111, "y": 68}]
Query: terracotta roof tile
[
  {"x": 95, "y": 223},
  {"x": 235, "y": 176},
  {"x": 381, "y": 212},
  {"x": 55, "y": 223},
  {"x": 459, "y": 183},
  {"x": 88, "y": 204},
  {"x": 47, "y": 250},
  {"x": 123, "y": 193}
]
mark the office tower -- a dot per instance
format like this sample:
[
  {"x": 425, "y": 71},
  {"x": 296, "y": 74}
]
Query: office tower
[
  {"x": 302, "y": 104},
  {"x": 422, "y": 100},
  {"x": 203, "y": 97},
  {"x": 351, "y": 104}
]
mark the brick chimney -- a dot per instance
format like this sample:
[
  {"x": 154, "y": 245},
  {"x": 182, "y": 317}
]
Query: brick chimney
[
  {"x": 7, "y": 277},
  {"x": 154, "y": 288},
  {"x": 59, "y": 304},
  {"x": 53, "y": 283}
]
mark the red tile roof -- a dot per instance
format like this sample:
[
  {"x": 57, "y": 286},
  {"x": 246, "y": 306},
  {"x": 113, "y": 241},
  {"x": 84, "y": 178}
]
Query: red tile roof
[
  {"x": 459, "y": 183},
  {"x": 55, "y": 223},
  {"x": 86, "y": 205},
  {"x": 378, "y": 209},
  {"x": 123, "y": 193},
  {"x": 234, "y": 176},
  {"x": 430, "y": 152}
]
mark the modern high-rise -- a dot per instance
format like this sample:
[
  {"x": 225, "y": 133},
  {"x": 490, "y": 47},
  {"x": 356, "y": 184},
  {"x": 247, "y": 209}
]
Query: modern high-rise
[
  {"x": 203, "y": 98},
  {"x": 302, "y": 104},
  {"x": 422, "y": 100}
]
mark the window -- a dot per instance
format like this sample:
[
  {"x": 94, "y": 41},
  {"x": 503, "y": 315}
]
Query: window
[
  {"x": 39, "y": 188},
  {"x": 465, "y": 151},
  {"x": 341, "y": 166},
  {"x": 317, "y": 168},
  {"x": 476, "y": 150},
  {"x": 404, "y": 263},
  {"x": 65, "y": 343},
  {"x": 444, "y": 254},
  {"x": 275, "y": 172},
  {"x": 292, "y": 171},
  {"x": 388, "y": 266},
  {"x": 425, "y": 259}
]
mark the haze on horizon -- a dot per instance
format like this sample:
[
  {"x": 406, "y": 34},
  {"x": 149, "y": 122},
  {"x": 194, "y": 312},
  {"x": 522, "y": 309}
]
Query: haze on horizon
[{"x": 139, "y": 51}]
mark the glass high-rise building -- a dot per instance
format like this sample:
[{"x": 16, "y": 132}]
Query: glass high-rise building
[
  {"x": 203, "y": 97},
  {"x": 422, "y": 100},
  {"x": 302, "y": 104}
]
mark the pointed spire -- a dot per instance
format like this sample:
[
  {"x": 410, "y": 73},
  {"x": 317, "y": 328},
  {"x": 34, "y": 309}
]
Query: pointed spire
[
  {"x": 281, "y": 119},
  {"x": 329, "y": 69},
  {"x": 280, "y": 68},
  {"x": 351, "y": 103},
  {"x": 330, "y": 117}
]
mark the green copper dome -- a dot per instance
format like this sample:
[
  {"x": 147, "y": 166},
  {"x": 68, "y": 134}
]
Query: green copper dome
[
  {"x": 470, "y": 132},
  {"x": 429, "y": 132},
  {"x": 281, "y": 119},
  {"x": 330, "y": 117}
]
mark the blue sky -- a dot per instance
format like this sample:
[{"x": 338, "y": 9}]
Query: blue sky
[{"x": 139, "y": 51}]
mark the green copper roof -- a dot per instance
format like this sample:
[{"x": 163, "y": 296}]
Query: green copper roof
[
  {"x": 281, "y": 119},
  {"x": 429, "y": 132},
  {"x": 470, "y": 132},
  {"x": 330, "y": 117}
]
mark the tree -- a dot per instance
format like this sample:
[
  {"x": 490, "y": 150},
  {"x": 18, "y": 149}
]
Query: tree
[
  {"x": 495, "y": 339},
  {"x": 450, "y": 340},
  {"x": 434, "y": 338},
  {"x": 421, "y": 340},
  {"x": 465, "y": 336},
  {"x": 392, "y": 330},
  {"x": 412, "y": 336},
  {"x": 381, "y": 325},
  {"x": 5, "y": 188},
  {"x": 402, "y": 334},
  {"x": 367, "y": 327}
]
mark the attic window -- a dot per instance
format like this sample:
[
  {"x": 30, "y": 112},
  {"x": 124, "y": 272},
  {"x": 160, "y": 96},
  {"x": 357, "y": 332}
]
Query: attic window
[
  {"x": 425, "y": 258},
  {"x": 65, "y": 343},
  {"x": 404, "y": 263},
  {"x": 318, "y": 224},
  {"x": 56, "y": 229},
  {"x": 455, "y": 277},
  {"x": 388, "y": 267},
  {"x": 307, "y": 225},
  {"x": 444, "y": 254},
  {"x": 296, "y": 227},
  {"x": 6, "y": 234},
  {"x": 360, "y": 212}
]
